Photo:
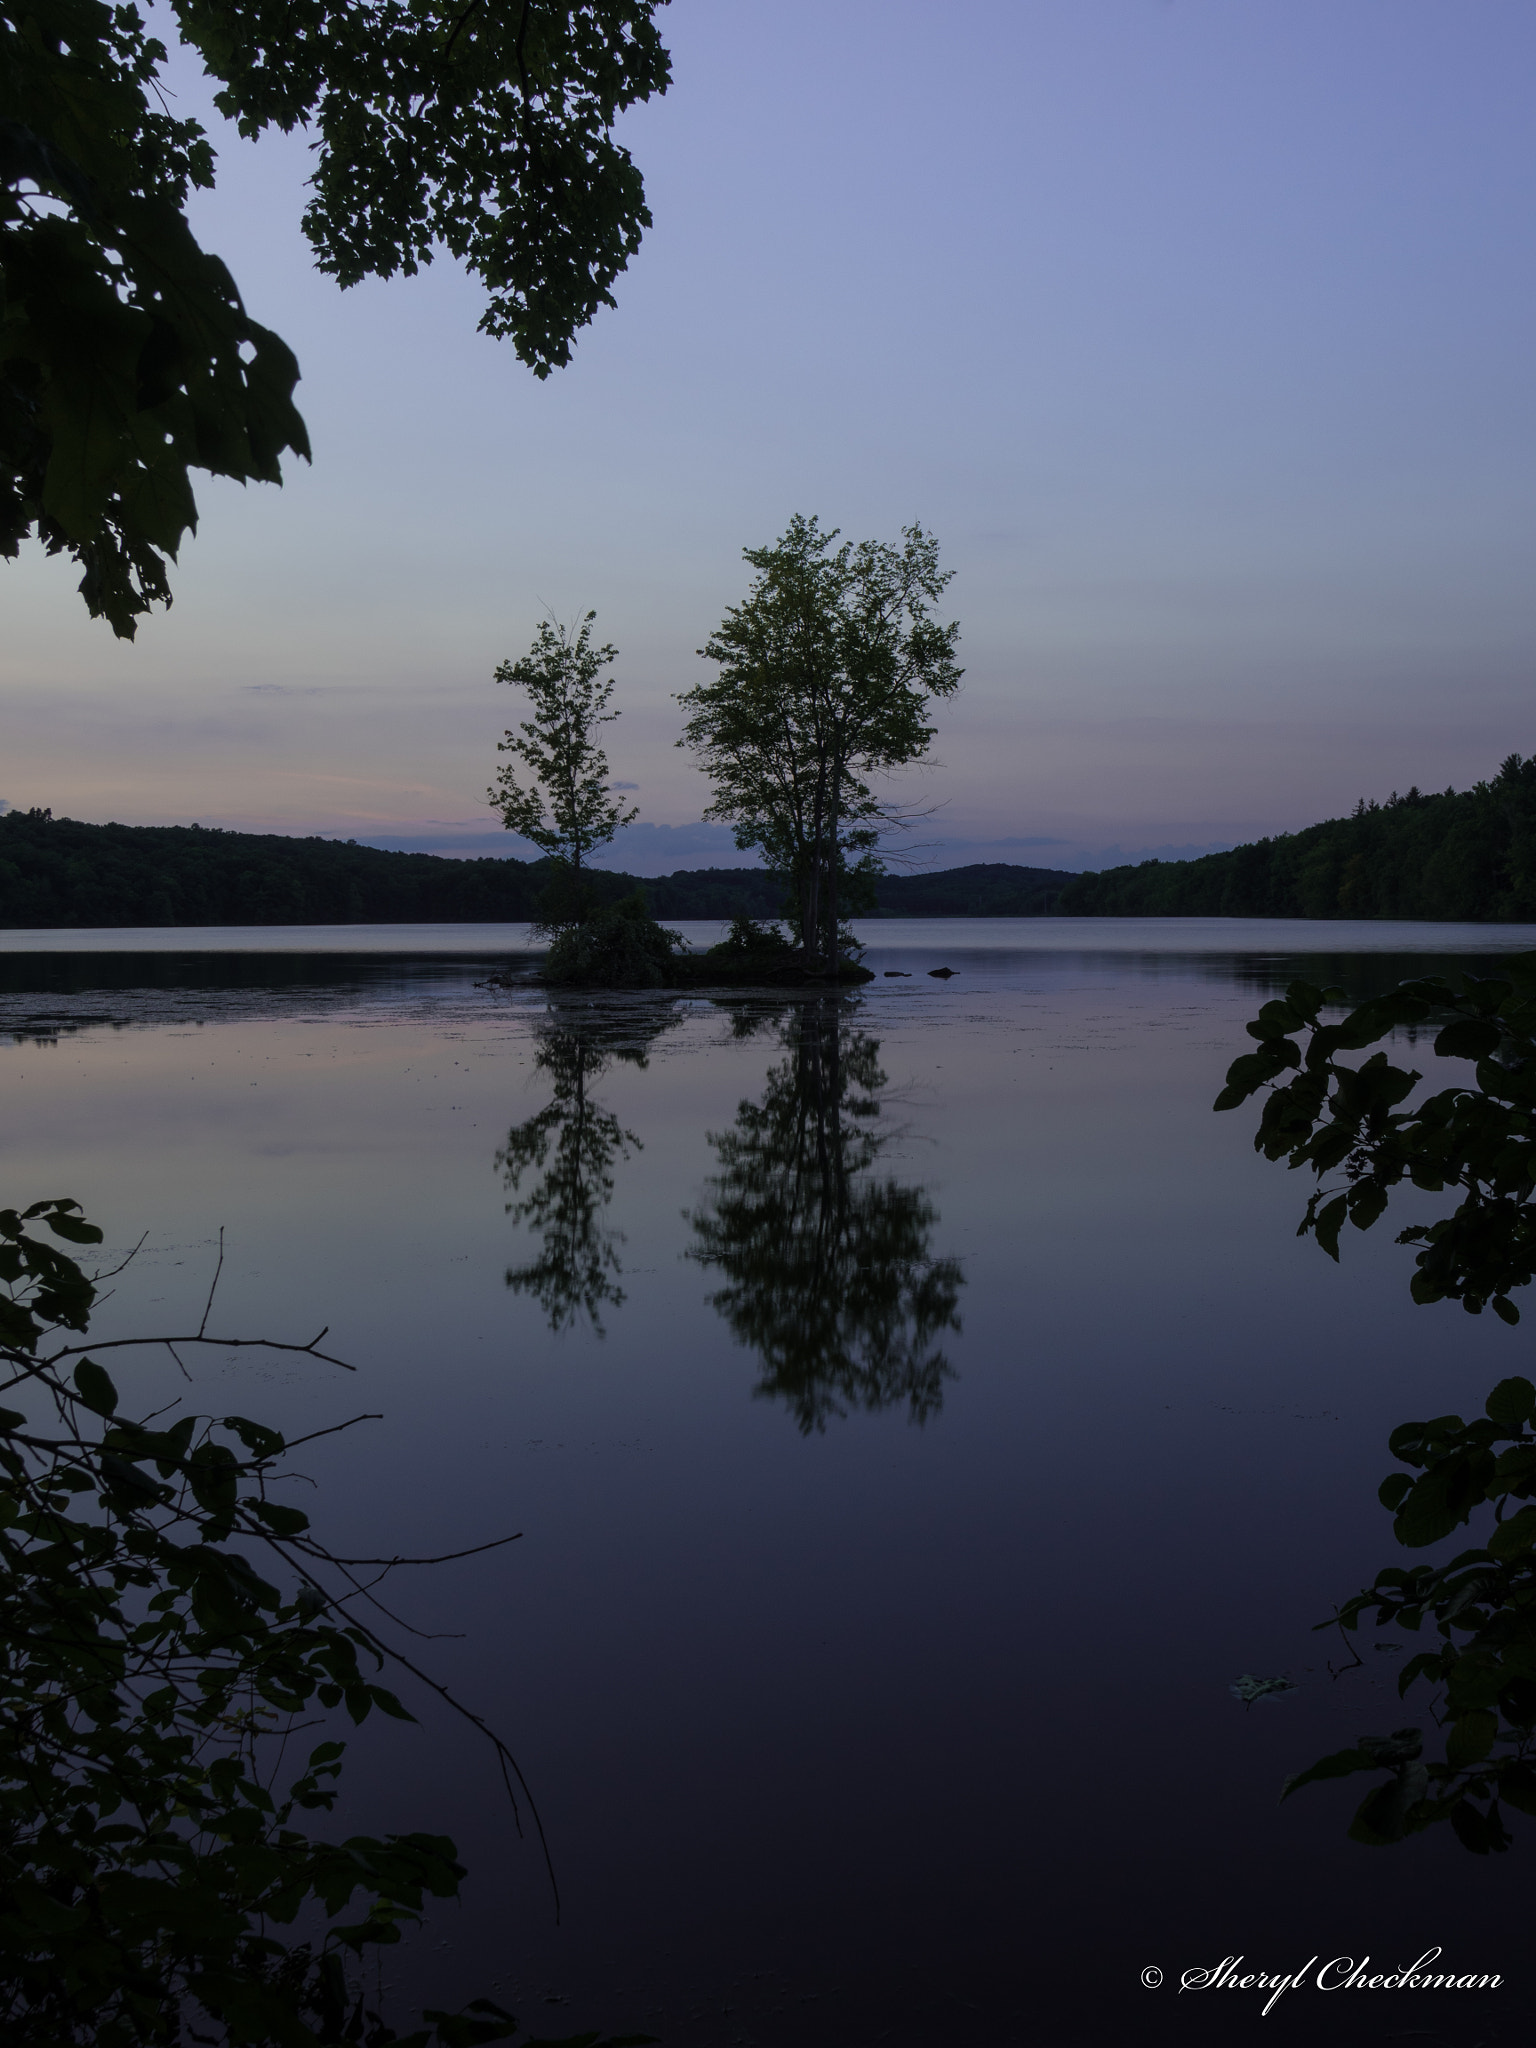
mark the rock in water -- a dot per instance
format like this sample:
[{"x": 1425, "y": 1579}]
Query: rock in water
[{"x": 941, "y": 973}]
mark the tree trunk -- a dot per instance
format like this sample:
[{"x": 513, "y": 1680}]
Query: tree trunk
[
  {"x": 832, "y": 865},
  {"x": 811, "y": 899}
]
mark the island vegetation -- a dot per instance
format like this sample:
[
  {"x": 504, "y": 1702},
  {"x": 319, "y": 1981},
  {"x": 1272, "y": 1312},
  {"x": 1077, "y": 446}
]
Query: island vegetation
[
  {"x": 1470, "y": 857},
  {"x": 825, "y": 672},
  {"x": 824, "y": 676}
]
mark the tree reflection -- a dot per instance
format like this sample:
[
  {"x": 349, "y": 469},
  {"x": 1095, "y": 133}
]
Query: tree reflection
[
  {"x": 827, "y": 1270},
  {"x": 558, "y": 1167}
]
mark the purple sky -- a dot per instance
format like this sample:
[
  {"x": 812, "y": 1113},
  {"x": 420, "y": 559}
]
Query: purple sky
[{"x": 1200, "y": 333}]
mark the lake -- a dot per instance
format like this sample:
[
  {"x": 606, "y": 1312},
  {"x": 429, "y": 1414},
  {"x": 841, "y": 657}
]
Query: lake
[{"x": 918, "y": 1410}]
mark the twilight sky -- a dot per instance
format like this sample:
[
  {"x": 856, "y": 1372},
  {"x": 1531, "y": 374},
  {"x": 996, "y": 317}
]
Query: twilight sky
[{"x": 1201, "y": 332}]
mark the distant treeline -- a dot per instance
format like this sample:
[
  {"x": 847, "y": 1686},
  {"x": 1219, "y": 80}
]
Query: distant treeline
[
  {"x": 1469, "y": 857},
  {"x": 56, "y": 874}
]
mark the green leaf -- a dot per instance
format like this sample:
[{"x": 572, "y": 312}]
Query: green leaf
[
  {"x": 382, "y": 1697},
  {"x": 74, "y": 1228},
  {"x": 1516, "y": 1781},
  {"x": 1341, "y": 1764},
  {"x": 1383, "y": 1815},
  {"x": 1477, "y": 1831},
  {"x": 281, "y": 1520},
  {"x": 1471, "y": 1738},
  {"x": 1328, "y": 1223},
  {"x": 1276, "y": 1020},
  {"x": 1515, "y": 1534},
  {"x": 1251, "y": 1070},
  {"x": 1476, "y": 1681},
  {"x": 95, "y": 1387},
  {"x": 1367, "y": 1200},
  {"x": 136, "y": 1488},
  {"x": 261, "y": 1441},
  {"x": 1512, "y": 1404},
  {"x": 1306, "y": 1000},
  {"x": 1469, "y": 1038}
]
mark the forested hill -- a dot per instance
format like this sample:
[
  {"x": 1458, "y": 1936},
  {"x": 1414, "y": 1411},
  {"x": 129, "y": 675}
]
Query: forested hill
[
  {"x": 1469, "y": 857},
  {"x": 56, "y": 874}
]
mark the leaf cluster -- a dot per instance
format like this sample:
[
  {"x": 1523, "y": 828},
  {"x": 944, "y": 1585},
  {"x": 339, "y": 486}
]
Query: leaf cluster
[
  {"x": 168, "y": 1623},
  {"x": 1481, "y": 1605},
  {"x": 126, "y": 355},
  {"x": 1353, "y": 1127},
  {"x": 1347, "y": 1124},
  {"x": 479, "y": 126},
  {"x": 127, "y": 358}
]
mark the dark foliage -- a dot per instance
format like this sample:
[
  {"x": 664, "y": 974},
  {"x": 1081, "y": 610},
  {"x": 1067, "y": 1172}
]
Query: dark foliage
[
  {"x": 167, "y": 1622},
  {"x": 56, "y": 873},
  {"x": 986, "y": 889},
  {"x": 127, "y": 359},
  {"x": 621, "y": 946},
  {"x": 1355, "y": 1128},
  {"x": 1469, "y": 858},
  {"x": 59, "y": 874}
]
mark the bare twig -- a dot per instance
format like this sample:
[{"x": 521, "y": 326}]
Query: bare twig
[
  {"x": 292, "y": 1444},
  {"x": 213, "y": 1285},
  {"x": 219, "y": 1344},
  {"x": 508, "y": 1762},
  {"x": 1353, "y": 1649},
  {"x": 448, "y": 1557},
  {"x": 113, "y": 1271}
]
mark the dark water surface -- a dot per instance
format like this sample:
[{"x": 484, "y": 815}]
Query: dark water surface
[{"x": 918, "y": 1410}]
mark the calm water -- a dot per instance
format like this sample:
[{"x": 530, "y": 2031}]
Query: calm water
[{"x": 918, "y": 1409}]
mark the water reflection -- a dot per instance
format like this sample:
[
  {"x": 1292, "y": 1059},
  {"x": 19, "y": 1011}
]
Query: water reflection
[
  {"x": 558, "y": 1167},
  {"x": 827, "y": 1270}
]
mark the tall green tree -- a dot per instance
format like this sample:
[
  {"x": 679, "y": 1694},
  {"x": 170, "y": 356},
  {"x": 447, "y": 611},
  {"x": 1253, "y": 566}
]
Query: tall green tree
[
  {"x": 826, "y": 672},
  {"x": 127, "y": 358},
  {"x": 567, "y": 808}
]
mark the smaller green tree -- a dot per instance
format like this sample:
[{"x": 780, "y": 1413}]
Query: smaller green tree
[{"x": 567, "y": 809}]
